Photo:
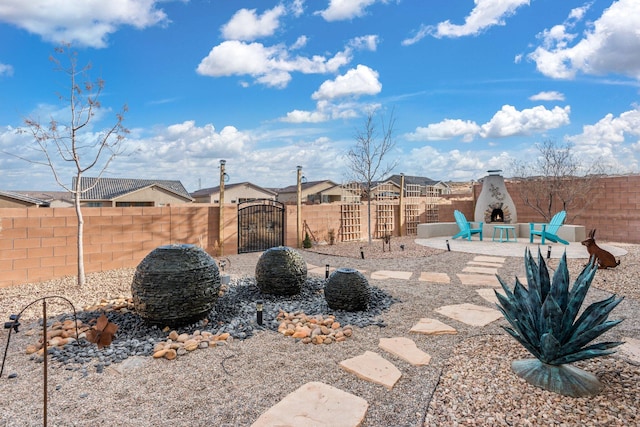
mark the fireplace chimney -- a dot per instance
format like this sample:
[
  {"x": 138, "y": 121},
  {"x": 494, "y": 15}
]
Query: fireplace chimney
[{"x": 494, "y": 204}]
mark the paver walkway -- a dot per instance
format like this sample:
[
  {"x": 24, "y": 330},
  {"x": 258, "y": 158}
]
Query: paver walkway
[{"x": 317, "y": 404}]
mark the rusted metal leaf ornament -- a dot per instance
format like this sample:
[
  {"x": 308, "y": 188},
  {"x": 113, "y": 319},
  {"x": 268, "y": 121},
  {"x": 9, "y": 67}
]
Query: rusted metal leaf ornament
[{"x": 102, "y": 333}]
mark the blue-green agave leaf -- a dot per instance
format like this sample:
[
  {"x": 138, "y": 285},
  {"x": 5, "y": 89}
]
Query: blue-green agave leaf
[
  {"x": 549, "y": 347},
  {"x": 520, "y": 321},
  {"x": 531, "y": 348},
  {"x": 589, "y": 335},
  {"x": 552, "y": 316},
  {"x": 543, "y": 273},
  {"x": 560, "y": 283},
  {"x": 593, "y": 315},
  {"x": 596, "y": 350},
  {"x": 576, "y": 298}
]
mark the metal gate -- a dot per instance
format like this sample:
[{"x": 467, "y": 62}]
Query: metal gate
[{"x": 260, "y": 225}]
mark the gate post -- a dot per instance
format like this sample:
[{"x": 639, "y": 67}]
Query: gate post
[{"x": 299, "y": 208}]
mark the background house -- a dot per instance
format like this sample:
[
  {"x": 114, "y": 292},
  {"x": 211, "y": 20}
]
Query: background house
[
  {"x": 122, "y": 192},
  {"x": 9, "y": 199},
  {"x": 233, "y": 193},
  {"x": 438, "y": 187},
  {"x": 325, "y": 191},
  {"x": 55, "y": 199}
]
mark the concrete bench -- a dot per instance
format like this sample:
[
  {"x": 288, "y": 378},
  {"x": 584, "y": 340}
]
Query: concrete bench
[{"x": 570, "y": 233}]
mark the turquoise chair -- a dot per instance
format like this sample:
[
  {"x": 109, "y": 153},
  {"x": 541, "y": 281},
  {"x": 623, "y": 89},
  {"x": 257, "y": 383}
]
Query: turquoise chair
[
  {"x": 465, "y": 226},
  {"x": 548, "y": 231}
]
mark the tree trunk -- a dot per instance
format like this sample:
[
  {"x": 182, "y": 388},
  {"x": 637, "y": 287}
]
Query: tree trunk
[{"x": 76, "y": 202}]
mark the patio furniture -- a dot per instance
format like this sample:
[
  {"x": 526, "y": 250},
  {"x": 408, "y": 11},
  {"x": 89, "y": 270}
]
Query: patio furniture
[
  {"x": 504, "y": 229},
  {"x": 465, "y": 226},
  {"x": 548, "y": 231}
]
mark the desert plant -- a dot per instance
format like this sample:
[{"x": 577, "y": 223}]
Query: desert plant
[
  {"x": 306, "y": 243},
  {"x": 332, "y": 236},
  {"x": 544, "y": 319}
]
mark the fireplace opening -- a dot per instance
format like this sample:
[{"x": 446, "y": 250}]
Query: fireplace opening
[{"x": 497, "y": 215}]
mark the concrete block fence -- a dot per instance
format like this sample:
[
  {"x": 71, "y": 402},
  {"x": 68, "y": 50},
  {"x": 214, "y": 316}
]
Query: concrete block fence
[{"x": 38, "y": 244}]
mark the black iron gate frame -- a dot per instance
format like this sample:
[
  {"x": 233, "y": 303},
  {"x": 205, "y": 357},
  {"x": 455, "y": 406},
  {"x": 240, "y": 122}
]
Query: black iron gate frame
[{"x": 260, "y": 225}]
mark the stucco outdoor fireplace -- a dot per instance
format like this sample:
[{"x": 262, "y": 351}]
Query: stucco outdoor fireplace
[{"x": 494, "y": 204}]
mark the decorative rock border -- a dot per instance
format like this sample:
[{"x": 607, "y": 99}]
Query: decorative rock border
[
  {"x": 316, "y": 329},
  {"x": 181, "y": 344}
]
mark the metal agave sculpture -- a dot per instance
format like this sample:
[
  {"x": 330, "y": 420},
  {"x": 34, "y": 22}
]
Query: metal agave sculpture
[{"x": 544, "y": 319}]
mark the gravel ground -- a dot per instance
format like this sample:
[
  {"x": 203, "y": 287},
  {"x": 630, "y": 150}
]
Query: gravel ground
[{"x": 469, "y": 381}]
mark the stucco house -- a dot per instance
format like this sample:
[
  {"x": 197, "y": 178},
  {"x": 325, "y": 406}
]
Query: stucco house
[
  {"x": 9, "y": 199},
  {"x": 124, "y": 192},
  {"x": 233, "y": 193},
  {"x": 439, "y": 187},
  {"x": 325, "y": 191}
]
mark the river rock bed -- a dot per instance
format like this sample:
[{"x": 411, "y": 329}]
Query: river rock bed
[{"x": 233, "y": 314}]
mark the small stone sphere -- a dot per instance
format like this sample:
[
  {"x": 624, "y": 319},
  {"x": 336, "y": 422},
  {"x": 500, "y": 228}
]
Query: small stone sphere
[
  {"x": 347, "y": 289},
  {"x": 175, "y": 285},
  {"x": 281, "y": 271}
]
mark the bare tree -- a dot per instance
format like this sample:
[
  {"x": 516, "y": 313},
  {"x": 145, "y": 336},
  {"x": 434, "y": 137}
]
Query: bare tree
[
  {"x": 557, "y": 180},
  {"x": 72, "y": 141},
  {"x": 366, "y": 157}
]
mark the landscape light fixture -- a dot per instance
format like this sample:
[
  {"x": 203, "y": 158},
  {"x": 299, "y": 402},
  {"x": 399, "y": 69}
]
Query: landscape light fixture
[
  {"x": 326, "y": 271},
  {"x": 402, "y": 247},
  {"x": 259, "y": 306},
  {"x": 548, "y": 251},
  {"x": 448, "y": 247},
  {"x": 361, "y": 252}
]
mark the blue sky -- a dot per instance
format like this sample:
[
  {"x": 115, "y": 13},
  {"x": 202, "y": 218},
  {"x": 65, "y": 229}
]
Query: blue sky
[{"x": 269, "y": 85}]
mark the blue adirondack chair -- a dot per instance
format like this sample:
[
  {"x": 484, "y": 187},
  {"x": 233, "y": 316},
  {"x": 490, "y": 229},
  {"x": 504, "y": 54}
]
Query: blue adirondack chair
[
  {"x": 548, "y": 231},
  {"x": 465, "y": 226}
]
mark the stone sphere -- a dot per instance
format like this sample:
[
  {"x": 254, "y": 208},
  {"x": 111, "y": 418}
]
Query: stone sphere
[
  {"x": 175, "y": 285},
  {"x": 281, "y": 271},
  {"x": 347, "y": 289}
]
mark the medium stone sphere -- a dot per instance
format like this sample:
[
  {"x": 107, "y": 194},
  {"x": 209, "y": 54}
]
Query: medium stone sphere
[
  {"x": 347, "y": 289},
  {"x": 175, "y": 285},
  {"x": 281, "y": 271}
]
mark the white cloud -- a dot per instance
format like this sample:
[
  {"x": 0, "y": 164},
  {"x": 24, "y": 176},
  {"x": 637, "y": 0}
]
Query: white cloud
[
  {"x": 297, "y": 8},
  {"x": 340, "y": 10},
  {"x": 80, "y": 22},
  {"x": 509, "y": 121},
  {"x": 269, "y": 65},
  {"x": 246, "y": 25},
  {"x": 547, "y": 96},
  {"x": 446, "y": 129},
  {"x": 273, "y": 65},
  {"x": 421, "y": 33},
  {"x": 6, "y": 70},
  {"x": 485, "y": 14},
  {"x": 300, "y": 116},
  {"x": 610, "y": 129},
  {"x": 610, "y": 45},
  {"x": 358, "y": 81}
]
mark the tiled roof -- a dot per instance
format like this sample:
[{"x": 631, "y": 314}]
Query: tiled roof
[
  {"x": 213, "y": 190},
  {"x": 24, "y": 198},
  {"x": 408, "y": 179},
  {"x": 111, "y": 188}
]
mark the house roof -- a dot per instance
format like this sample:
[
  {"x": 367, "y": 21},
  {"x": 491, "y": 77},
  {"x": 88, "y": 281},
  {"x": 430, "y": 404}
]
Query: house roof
[
  {"x": 306, "y": 185},
  {"x": 111, "y": 188},
  {"x": 48, "y": 196},
  {"x": 214, "y": 190},
  {"x": 24, "y": 198},
  {"x": 408, "y": 179}
]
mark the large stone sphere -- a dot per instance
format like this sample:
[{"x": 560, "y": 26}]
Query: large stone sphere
[
  {"x": 175, "y": 285},
  {"x": 347, "y": 289},
  {"x": 281, "y": 271}
]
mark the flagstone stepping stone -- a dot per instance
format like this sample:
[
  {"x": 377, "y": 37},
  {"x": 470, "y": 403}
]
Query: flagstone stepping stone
[
  {"x": 630, "y": 349},
  {"x": 315, "y": 404},
  {"x": 426, "y": 276},
  {"x": 386, "y": 274},
  {"x": 432, "y": 327},
  {"x": 471, "y": 314},
  {"x": 478, "y": 279},
  {"x": 406, "y": 349},
  {"x": 372, "y": 367},
  {"x": 483, "y": 258},
  {"x": 481, "y": 270},
  {"x": 489, "y": 294},
  {"x": 485, "y": 264}
]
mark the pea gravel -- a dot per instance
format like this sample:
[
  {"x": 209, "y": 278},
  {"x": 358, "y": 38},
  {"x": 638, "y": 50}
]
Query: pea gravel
[{"x": 469, "y": 381}]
